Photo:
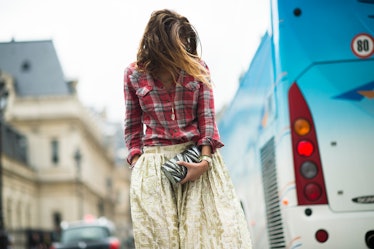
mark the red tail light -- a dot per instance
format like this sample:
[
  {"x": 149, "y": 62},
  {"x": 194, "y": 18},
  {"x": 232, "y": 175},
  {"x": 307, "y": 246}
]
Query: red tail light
[
  {"x": 322, "y": 236},
  {"x": 310, "y": 184},
  {"x": 312, "y": 191},
  {"x": 305, "y": 148},
  {"x": 114, "y": 244}
]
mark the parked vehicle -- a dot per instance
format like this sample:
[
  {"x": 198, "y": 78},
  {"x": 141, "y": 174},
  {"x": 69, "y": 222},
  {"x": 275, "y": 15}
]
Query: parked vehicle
[{"x": 88, "y": 234}]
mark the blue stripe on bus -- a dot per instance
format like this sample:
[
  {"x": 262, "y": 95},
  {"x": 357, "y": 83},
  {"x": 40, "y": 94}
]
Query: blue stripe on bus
[{"x": 354, "y": 94}]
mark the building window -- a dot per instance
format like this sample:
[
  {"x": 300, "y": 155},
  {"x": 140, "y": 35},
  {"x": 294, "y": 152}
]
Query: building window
[
  {"x": 57, "y": 220},
  {"x": 109, "y": 183},
  {"x": 25, "y": 66},
  {"x": 55, "y": 151},
  {"x": 9, "y": 214},
  {"x": 101, "y": 208},
  {"x": 19, "y": 219},
  {"x": 28, "y": 215}
]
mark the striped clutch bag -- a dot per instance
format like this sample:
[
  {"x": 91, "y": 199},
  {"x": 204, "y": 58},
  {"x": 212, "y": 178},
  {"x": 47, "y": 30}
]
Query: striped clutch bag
[{"x": 175, "y": 172}]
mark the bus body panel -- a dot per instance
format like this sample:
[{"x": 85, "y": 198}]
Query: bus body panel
[
  {"x": 345, "y": 230},
  {"x": 324, "y": 47}
]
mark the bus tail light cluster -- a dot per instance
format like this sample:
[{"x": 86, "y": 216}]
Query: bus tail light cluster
[{"x": 310, "y": 184}]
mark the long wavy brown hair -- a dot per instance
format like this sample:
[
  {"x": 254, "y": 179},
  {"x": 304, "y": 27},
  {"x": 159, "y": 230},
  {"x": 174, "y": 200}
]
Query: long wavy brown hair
[{"x": 169, "y": 44}]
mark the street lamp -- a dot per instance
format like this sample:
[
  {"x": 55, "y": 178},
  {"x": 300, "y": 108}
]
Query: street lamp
[
  {"x": 78, "y": 159},
  {"x": 4, "y": 240}
]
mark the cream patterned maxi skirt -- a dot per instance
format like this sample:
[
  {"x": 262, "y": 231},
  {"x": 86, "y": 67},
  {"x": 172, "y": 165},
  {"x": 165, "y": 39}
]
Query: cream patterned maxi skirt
[{"x": 201, "y": 214}]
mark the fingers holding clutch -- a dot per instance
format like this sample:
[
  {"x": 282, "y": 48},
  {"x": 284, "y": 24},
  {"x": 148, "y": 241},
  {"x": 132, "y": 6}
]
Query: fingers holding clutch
[{"x": 194, "y": 170}]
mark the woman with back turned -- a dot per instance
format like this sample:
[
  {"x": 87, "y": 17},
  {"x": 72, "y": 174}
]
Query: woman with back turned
[{"x": 169, "y": 106}]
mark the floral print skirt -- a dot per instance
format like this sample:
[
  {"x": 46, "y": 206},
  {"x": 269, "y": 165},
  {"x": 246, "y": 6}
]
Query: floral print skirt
[{"x": 201, "y": 214}]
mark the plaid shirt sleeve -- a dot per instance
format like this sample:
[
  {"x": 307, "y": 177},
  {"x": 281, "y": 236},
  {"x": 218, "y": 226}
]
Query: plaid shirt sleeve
[
  {"x": 133, "y": 131},
  {"x": 209, "y": 134}
]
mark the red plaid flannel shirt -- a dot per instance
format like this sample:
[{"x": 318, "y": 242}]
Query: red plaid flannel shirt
[{"x": 155, "y": 116}]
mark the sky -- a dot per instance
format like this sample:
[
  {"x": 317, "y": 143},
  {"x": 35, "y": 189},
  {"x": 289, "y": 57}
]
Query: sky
[{"x": 96, "y": 40}]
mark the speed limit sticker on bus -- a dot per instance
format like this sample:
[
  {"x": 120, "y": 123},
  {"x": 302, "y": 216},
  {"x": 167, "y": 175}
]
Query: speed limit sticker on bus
[{"x": 362, "y": 45}]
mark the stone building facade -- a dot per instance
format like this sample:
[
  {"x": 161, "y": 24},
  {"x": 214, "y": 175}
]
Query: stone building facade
[{"x": 64, "y": 163}]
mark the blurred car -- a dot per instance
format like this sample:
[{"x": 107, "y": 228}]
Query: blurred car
[{"x": 88, "y": 234}]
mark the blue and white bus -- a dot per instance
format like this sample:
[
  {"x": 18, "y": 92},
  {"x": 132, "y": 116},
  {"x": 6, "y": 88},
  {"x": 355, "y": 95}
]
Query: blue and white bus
[{"x": 299, "y": 133}]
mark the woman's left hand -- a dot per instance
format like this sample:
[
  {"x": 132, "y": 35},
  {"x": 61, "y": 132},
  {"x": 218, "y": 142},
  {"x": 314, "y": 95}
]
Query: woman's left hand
[{"x": 194, "y": 170}]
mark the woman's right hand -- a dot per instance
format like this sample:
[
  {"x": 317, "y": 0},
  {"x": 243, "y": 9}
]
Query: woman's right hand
[{"x": 194, "y": 170}]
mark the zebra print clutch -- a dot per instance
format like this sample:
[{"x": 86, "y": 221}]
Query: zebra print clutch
[{"x": 175, "y": 172}]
